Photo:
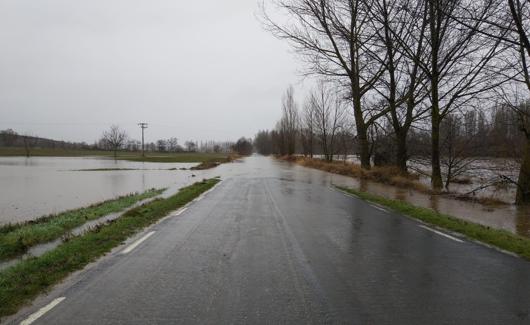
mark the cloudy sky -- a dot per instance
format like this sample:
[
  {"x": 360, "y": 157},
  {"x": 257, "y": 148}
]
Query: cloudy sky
[{"x": 192, "y": 69}]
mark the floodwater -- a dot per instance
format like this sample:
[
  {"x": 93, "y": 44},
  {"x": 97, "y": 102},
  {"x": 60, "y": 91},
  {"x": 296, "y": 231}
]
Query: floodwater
[
  {"x": 38, "y": 186},
  {"x": 487, "y": 177}
]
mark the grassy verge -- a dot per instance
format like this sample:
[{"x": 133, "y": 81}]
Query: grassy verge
[
  {"x": 500, "y": 238},
  {"x": 24, "y": 281},
  {"x": 15, "y": 239}
]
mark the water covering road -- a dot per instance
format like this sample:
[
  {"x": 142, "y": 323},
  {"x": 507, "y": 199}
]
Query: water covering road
[{"x": 271, "y": 246}]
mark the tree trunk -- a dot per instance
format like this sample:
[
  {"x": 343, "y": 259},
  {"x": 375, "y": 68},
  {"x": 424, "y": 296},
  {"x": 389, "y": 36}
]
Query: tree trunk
[
  {"x": 364, "y": 147},
  {"x": 401, "y": 153},
  {"x": 434, "y": 16},
  {"x": 436, "y": 177},
  {"x": 523, "y": 184}
]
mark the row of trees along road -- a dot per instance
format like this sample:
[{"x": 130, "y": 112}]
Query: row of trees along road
[{"x": 410, "y": 63}]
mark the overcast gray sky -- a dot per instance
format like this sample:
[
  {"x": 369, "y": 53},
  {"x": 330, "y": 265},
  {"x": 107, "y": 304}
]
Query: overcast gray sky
[{"x": 192, "y": 69}]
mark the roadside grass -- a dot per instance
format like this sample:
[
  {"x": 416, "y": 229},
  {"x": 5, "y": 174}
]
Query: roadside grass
[
  {"x": 496, "y": 237},
  {"x": 16, "y": 239},
  {"x": 162, "y": 157},
  {"x": 25, "y": 280}
]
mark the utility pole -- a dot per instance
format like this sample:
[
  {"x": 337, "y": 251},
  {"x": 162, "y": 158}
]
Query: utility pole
[{"x": 143, "y": 126}]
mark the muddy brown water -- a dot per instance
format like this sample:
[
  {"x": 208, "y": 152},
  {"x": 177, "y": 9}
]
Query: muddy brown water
[
  {"x": 30, "y": 188},
  {"x": 37, "y": 186}
]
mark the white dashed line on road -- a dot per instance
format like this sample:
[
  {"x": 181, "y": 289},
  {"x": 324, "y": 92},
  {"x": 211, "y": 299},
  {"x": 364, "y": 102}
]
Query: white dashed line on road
[
  {"x": 181, "y": 211},
  {"x": 138, "y": 242},
  {"x": 33, "y": 317},
  {"x": 442, "y": 234},
  {"x": 379, "y": 208}
]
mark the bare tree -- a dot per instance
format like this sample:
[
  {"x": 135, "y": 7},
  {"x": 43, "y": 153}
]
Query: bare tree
[
  {"x": 172, "y": 144},
  {"x": 190, "y": 146},
  {"x": 328, "y": 116},
  {"x": 114, "y": 139},
  {"x": 399, "y": 44},
  {"x": 161, "y": 145},
  {"x": 510, "y": 23},
  {"x": 458, "y": 149},
  {"x": 288, "y": 125},
  {"x": 307, "y": 132},
  {"x": 459, "y": 67},
  {"x": 331, "y": 36}
]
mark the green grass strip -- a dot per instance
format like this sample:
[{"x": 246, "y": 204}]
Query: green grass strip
[
  {"x": 16, "y": 239},
  {"x": 497, "y": 237},
  {"x": 25, "y": 280}
]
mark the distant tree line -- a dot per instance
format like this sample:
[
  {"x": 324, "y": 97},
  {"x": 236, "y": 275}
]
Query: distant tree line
[
  {"x": 116, "y": 139},
  {"x": 10, "y": 138}
]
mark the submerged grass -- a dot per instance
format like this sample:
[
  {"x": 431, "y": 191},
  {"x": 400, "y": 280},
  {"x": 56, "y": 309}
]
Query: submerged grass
[
  {"x": 500, "y": 238},
  {"x": 16, "y": 239},
  {"x": 24, "y": 281}
]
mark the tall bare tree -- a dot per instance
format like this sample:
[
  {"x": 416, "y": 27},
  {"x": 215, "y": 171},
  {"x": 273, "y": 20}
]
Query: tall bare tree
[
  {"x": 114, "y": 139},
  {"x": 510, "y": 24},
  {"x": 459, "y": 68},
  {"x": 399, "y": 44},
  {"x": 331, "y": 35},
  {"x": 307, "y": 129},
  {"x": 328, "y": 118},
  {"x": 288, "y": 125}
]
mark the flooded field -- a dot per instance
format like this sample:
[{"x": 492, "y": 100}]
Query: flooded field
[{"x": 32, "y": 187}]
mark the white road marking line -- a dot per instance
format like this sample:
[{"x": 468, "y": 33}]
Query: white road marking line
[
  {"x": 136, "y": 243},
  {"x": 181, "y": 211},
  {"x": 442, "y": 234},
  {"x": 379, "y": 208},
  {"x": 33, "y": 317}
]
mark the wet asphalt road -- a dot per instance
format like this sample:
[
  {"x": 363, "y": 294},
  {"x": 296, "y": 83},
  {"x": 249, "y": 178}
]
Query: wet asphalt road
[{"x": 276, "y": 245}]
